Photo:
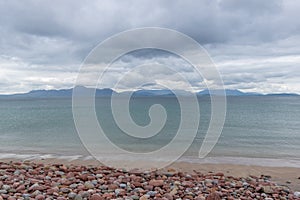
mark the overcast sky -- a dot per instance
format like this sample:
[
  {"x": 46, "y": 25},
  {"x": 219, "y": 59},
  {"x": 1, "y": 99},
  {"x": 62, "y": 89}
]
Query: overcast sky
[{"x": 255, "y": 44}]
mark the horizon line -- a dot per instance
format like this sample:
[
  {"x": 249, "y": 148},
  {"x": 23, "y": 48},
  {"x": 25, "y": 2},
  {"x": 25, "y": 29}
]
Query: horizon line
[{"x": 134, "y": 90}]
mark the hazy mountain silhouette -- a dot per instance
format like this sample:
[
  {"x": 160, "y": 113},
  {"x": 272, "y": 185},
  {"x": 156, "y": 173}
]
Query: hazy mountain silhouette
[{"x": 107, "y": 92}]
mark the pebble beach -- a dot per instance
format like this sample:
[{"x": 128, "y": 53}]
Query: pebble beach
[{"x": 35, "y": 180}]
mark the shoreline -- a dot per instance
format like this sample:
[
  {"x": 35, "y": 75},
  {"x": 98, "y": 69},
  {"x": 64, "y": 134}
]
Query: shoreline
[
  {"x": 285, "y": 176},
  {"x": 236, "y": 160},
  {"x": 53, "y": 179}
]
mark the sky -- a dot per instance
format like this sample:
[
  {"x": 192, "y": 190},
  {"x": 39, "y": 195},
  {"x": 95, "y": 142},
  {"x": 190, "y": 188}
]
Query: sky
[{"x": 255, "y": 45}]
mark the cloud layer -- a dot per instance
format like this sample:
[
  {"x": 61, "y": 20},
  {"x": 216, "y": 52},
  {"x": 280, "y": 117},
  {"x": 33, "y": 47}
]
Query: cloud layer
[{"x": 255, "y": 44}]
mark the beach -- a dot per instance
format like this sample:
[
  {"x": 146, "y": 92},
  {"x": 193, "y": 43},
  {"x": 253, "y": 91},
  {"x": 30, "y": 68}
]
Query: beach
[
  {"x": 140, "y": 100},
  {"x": 78, "y": 179}
]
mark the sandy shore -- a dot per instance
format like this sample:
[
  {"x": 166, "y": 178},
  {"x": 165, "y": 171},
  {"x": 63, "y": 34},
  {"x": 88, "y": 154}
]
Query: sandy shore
[{"x": 286, "y": 177}]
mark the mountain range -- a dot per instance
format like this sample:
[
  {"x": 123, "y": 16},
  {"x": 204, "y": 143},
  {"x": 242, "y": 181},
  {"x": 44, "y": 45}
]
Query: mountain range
[{"x": 107, "y": 92}]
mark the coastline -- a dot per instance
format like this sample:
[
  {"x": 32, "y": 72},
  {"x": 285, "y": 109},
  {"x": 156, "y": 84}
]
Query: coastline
[
  {"x": 285, "y": 176},
  {"x": 60, "y": 179}
]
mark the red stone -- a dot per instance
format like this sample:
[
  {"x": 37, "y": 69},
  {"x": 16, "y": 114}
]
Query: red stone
[
  {"x": 96, "y": 197},
  {"x": 156, "y": 183}
]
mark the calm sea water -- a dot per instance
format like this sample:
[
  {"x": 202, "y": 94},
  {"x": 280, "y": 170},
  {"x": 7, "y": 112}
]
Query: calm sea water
[{"x": 261, "y": 129}]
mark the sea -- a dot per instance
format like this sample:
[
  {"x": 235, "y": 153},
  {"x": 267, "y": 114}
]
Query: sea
[{"x": 258, "y": 130}]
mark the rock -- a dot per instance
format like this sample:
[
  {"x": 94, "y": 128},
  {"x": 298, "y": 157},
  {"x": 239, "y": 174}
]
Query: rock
[
  {"x": 135, "y": 197},
  {"x": 148, "y": 187},
  {"x": 65, "y": 190},
  {"x": 40, "y": 197},
  {"x": 137, "y": 184},
  {"x": 85, "y": 194},
  {"x": 267, "y": 189},
  {"x": 35, "y": 187},
  {"x": 120, "y": 192},
  {"x": 72, "y": 195},
  {"x": 84, "y": 177},
  {"x": 151, "y": 193},
  {"x": 245, "y": 184},
  {"x": 174, "y": 191},
  {"x": 156, "y": 183},
  {"x": 144, "y": 197},
  {"x": 5, "y": 187},
  {"x": 99, "y": 175},
  {"x": 297, "y": 194},
  {"x": 89, "y": 185},
  {"x": 177, "y": 183},
  {"x": 26, "y": 196},
  {"x": 201, "y": 197},
  {"x": 187, "y": 184},
  {"x": 3, "y": 191},
  {"x": 213, "y": 196},
  {"x": 96, "y": 197},
  {"x": 20, "y": 188},
  {"x": 73, "y": 186},
  {"x": 219, "y": 174},
  {"x": 47, "y": 182},
  {"x": 35, "y": 193},
  {"x": 107, "y": 195},
  {"x": 78, "y": 197},
  {"x": 168, "y": 196},
  {"x": 112, "y": 187},
  {"x": 95, "y": 182}
]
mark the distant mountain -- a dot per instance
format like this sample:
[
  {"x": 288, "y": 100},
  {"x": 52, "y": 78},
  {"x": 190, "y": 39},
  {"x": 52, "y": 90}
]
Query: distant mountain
[
  {"x": 283, "y": 94},
  {"x": 165, "y": 93},
  {"x": 45, "y": 93},
  {"x": 63, "y": 93},
  {"x": 228, "y": 92},
  {"x": 107, "y": 92},
  {"x": 153, "y": 93}
]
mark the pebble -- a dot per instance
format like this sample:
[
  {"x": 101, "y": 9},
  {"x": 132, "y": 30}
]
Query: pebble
[
  {"x": 151, "y": 193},
  {"x": 61, "y": 182},
  {"x": 40, "y": 197},
  {"x": 214, "y": 196},
  {"x": 156, "y": 183},
  {"x": 89, "y": 185},
  {"x": 26, "y": 196},
  {"x": 297, "y": 194},
  {"x": 72, "y": 195},
  {"x": 5, "y": 187},
  {"x": 96, "y": 197},
  {"x": 78, "y": 197},
  {"x": 144, "y": 197},
  {"x": 135, "y": 197},
  {"x": 65, "y": 190}
]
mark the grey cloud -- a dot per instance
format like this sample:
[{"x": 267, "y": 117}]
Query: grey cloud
[
  {"x": 243, "y": 78},
  {"x": 252, "y": 42},
  {"x": 252, "y": 7},
  {"x": 85, "y": 24}
]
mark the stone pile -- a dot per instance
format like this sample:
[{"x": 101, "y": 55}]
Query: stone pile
[{"x": 27, "y": 180}]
